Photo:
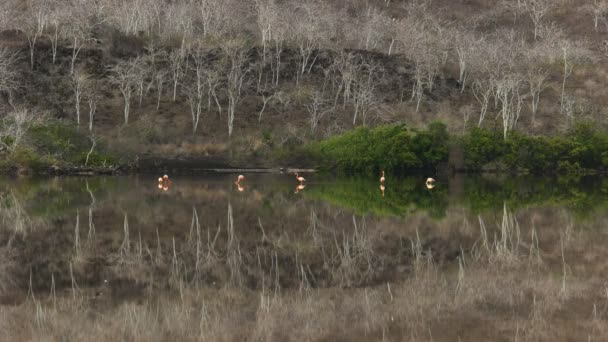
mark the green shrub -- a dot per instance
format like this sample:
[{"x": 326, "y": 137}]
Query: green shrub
[{"x": 393, "y": 148}]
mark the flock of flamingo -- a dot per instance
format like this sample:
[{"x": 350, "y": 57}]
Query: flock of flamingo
[
  {"x": 164, "y": 183},
  {"x": 430, "y": 183}
]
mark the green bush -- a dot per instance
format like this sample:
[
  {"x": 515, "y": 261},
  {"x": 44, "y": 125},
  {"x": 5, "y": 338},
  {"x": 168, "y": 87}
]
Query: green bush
[
  {"x": 581, "y": 150},
  {"x": 393, "y": 148}
]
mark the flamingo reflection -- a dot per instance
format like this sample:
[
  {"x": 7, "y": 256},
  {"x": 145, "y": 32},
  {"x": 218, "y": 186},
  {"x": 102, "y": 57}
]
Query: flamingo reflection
[
  {"x": 164, "y": 183},
  {"x": 299, "y": 188},
  {"x": 382, "y": 189},
  {"x": 430, "y": 183}
]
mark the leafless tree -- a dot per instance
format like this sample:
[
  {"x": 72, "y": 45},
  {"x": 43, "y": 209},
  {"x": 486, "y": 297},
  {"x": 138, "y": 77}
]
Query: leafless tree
[
  {"x": 364, "y": 92},
  {"x": 77, "y": 31},
  {"x": 598, "y": 9},
  {"x": 343, "y": 72},
  {"x": 80, "y": 82},
  {"x": 267, "y": 17},
  {"x": 375, "y": 28},
  {"x": 214, "y": 82},
  {"x": 219, "y": 18},
  {"x": 483, "y": 89},
  {"x": 567, "y": 49},
  {"x": 94, "y": 139},
  {"x": 159, "y": 81},
  {"x": 33, "y": 23},
  {"x": 317, "y": 108},
  {"x": 537, "y": 10},
  {"x": 177, "y": 60},
  {"x": 125, "y": 75},
  {"x": 92, "y": 96},
  {"x": 309, "y": 30},
  {"x": 536, "y": 74},
  {"x": 508, "y": 94},
  {"x": 266, "y": 99},
  {"x": 9, "y": 74},
  {"x": 466, "y": 46},
  {"x": 235, "y": 54},
  {"x": 56, "y": 18},
  {"x": 15, "y": 125},
  {"x": 196, "y": 91}
]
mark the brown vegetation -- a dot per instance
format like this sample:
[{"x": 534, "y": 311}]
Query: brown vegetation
[{"x": 181, "y": 72}]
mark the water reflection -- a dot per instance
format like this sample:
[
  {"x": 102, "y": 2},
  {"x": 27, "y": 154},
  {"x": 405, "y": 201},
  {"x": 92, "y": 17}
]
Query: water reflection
[{"x": 513, "y": 248}]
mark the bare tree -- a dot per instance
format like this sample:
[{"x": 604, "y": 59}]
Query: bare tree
[
  {"x": 508, "y": 94},
  {"x": 483, "y": 89},
  {"x": 235, "y": 54},
  {"x": 343, "y": 72},
  {"x": 196, "y": 90},
  {"x": 15, "y": 125},
  {"x": 317, "y": 109},
  {"x": 124, "y": 75},
  {"x": 466, "y": 46},
  {"x": 177, "y": 60},
  {"x": 33, "y": 24},
  {"x": 159, "y": 81},
  {"x": 536, "y": 76},
  {"x": 598, "y": 9},
  {"x": 567, "y": 49},
  {"x": 219, "y": 18},
  {"x": 94, "y": 139},
  {"x": 214, "y": 82},
  {"x": 266, "y": 99},
  {"x": 77, "y": 30},
  {"x": 309, "y": 30},
  {"x": 79, "y": 82},
  {"x": 364, "y": 94},
  {"x": 8, "y": 73},
  {"x": 537, "y": 10},
  {"x": 375, "y": 29},
  {"x": 92, "y": 99},
  {"x": 267, "y": 17},
  {"x": 56, "y": 18}
]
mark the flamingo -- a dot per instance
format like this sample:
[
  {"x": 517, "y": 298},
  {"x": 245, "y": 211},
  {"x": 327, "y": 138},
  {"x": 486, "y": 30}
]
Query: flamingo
[
  {"x": 300, "y": 178},
  {"x": 160, "y": 179},
  {"x": 299, "y": 188},
  {"x": 165, "y": 177},
  {"x": 239, "y": 187},
  {"x": 430, "y": 183},
  {"x": 240, "y": 178},
  {"x": 382, "y": 179}
]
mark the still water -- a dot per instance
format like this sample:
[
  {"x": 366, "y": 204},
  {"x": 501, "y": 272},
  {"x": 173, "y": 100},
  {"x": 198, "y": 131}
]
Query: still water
[{"x": 476, "y": 258}]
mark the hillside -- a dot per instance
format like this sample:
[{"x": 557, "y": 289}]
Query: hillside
[{"x": 244, "y": 82}]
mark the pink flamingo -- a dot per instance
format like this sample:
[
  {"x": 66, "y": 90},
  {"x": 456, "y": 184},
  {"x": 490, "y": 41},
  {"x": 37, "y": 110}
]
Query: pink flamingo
[
  {"x": 299, "y": 188},
  {"x": 300, "y": 178},
  {"x": 240, "y": 179},
  {"x": 382, "y": 179}
]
